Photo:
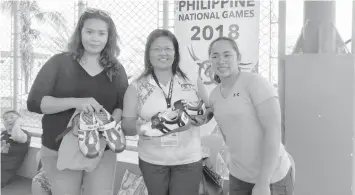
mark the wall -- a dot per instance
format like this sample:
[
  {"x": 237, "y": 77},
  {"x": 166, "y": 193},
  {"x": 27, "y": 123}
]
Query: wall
[{"x": 319, "y": 120}]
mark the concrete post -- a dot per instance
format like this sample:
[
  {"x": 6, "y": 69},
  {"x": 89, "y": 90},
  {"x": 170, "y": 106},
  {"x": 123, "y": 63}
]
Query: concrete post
[
  {"x": 353, "y": 31},
  {"x": 319, "y": 34}
]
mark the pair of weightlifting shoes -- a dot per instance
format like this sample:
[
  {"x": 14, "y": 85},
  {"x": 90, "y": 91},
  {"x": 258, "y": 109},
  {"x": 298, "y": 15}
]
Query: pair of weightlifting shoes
[
  {"x": 195, "y": 109},
  {"x": 92, "y": 126},
  {"x": 173, "y": 120}
]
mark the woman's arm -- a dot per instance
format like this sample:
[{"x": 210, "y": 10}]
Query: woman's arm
[
  {"x": 122, "y": 84},
  {"x": 202, "y": 92},
  {"x": 43, "y": 86},
  {"x": 52, "y": 105},
  {"x": 117, "y": 114},
  {"x": 41, "y": 100},
  {"x": 130, "y": 115},
  {"x": 269, "y": 115},
  {"x": 203, "y": 95},
  {"x": 266, "y": 103}
]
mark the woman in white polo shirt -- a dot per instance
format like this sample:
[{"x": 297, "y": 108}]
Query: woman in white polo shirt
[
  {"x": 246, "y": 108},
  {"x": 170, "y": 165}
]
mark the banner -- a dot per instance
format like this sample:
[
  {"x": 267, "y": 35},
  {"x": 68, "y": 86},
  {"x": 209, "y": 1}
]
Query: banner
[{"x": 198, "y": 23}]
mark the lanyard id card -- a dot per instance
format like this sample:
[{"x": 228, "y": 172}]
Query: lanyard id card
[
  {"x": 170, "y": 140},
  {"x": 167, "y": 98}
]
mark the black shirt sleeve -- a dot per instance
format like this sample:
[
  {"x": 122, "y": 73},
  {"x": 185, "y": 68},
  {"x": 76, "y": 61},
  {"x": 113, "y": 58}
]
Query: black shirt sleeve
[
  {"x": 122, "y": 84},
  {"x": 44, "y": 84}
]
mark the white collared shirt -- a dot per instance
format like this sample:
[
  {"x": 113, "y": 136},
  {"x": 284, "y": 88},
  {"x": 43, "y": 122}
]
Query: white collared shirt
[{"x": 151, "y": 100}]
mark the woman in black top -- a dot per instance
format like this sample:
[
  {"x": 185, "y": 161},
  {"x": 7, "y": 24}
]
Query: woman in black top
[{"x": 87, "y": 78}]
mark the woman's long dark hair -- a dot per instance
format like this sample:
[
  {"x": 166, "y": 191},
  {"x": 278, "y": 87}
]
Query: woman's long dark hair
[
  {"x": 108, "y": 56},
  {"x": 148, "y": 68}
]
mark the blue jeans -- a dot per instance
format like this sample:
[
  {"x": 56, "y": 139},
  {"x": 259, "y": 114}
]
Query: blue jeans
[
  {"x": 172, "y": 180},
  {"x": 282, "y": 187}
]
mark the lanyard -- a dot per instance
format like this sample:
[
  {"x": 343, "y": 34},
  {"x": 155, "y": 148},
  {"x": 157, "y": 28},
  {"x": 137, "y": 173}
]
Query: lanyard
[{"x": 167, "y": 98}]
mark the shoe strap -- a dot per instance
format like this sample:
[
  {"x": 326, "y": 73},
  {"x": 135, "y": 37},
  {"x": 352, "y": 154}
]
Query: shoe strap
[
  {"x": 84, "y": 127},
  {"x": 108, "y": 126}
]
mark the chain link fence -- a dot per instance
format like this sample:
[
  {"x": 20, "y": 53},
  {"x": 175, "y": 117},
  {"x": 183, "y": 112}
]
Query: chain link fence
[
  {"x": 6, "y": 72},
  {"x": 134, "y": 21},
  {"x": 49, "y": 28},
  {"x": 45, "y": 28},
  {"x": 268, "y": 40}
]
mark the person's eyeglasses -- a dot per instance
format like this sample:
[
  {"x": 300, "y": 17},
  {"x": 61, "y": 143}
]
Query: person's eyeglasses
[
  {"x": 160, "y": 49},
  {"x": 224, "y": 57},
  {"x": 97, "y": 11}
]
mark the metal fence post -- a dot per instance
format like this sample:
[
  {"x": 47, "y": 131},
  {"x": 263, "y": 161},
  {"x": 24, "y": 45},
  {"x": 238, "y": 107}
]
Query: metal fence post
[
  {"x": 281, "y": 63},
  {"x": 81, "y": 8},
  {"x": 16, "y": 56},
  {"x": 165, "y": 14}
]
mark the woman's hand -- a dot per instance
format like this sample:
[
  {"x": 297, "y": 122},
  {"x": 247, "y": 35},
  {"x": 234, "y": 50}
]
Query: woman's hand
[
  {"x": 202, "y": 119},
  {"x": 139, "y": 124},
  {"x": 198, "y": 120},
  {"x": 202, "y": 91},
  {"x": 88, "y": 105}
]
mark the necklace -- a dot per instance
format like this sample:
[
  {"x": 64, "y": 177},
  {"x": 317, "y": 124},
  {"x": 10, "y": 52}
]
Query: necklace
[{"x": 82, "y": 61}]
